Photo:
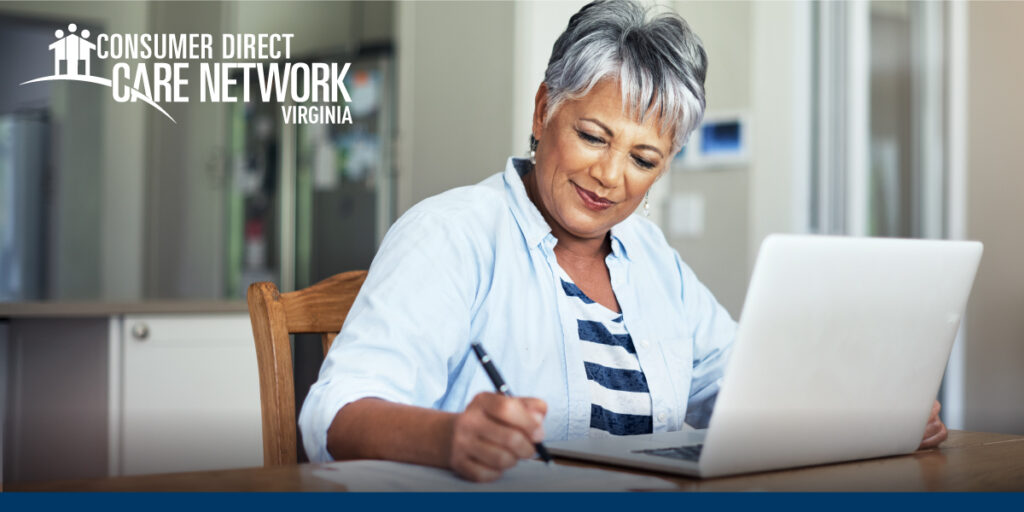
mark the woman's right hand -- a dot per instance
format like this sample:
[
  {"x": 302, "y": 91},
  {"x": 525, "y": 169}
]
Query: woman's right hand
[{"x": 493, "y": 433}]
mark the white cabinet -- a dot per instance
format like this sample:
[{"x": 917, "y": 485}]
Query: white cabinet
[{"x": 184, "y": 393}]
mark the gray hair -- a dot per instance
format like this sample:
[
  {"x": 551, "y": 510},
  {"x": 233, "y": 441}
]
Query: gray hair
[{"x": 660, "y": 64}]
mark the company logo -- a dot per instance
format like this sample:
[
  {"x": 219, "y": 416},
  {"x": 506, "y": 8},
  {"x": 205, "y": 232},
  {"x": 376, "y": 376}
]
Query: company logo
[{"x": 159, "y": 75}]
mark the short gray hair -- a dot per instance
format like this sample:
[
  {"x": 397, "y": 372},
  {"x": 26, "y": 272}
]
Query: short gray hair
[{"x": 660, "y": 63}]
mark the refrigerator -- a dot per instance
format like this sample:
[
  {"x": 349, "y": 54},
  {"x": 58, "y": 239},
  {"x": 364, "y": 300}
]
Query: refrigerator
[{"x": 307, "y": 201}]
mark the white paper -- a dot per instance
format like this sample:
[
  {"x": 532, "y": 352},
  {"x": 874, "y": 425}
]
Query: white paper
[{"x": 528, "y": 475}]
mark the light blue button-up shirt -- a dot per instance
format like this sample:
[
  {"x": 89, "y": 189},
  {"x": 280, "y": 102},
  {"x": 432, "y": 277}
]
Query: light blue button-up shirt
[{"x": 477, "y": 263}]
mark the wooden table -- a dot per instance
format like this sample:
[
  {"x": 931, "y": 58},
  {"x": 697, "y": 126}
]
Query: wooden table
[{"x": 967, "y": 461}]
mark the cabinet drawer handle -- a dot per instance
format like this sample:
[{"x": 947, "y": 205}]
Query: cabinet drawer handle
[{"x": 140, "y": 331}]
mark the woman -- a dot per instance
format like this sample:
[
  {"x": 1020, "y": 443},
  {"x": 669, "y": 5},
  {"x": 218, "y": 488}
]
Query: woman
[{"x": 582, "y": 305}]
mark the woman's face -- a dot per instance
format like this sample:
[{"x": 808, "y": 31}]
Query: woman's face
[{"x": 594, "y": 163}]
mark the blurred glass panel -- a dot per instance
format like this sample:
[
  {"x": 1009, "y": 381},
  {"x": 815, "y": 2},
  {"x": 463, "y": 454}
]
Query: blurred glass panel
[
  {"x": 891, "y": 177},
  {"x": 879, "y": 151},
  {"x": 906, "y": 75},
  {"x": 24, "y": 173}
]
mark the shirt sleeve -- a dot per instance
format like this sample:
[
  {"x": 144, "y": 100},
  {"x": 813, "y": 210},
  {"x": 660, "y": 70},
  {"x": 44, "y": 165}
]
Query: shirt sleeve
[
  {"x": 713, "y": 336},
  {"x": 404, "y": 329}
]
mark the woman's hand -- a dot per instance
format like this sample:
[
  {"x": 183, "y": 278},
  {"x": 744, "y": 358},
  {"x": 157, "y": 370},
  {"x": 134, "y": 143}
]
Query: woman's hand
[
  {"x": 935, "y": 432},
  {"x": 493, "y": 433}
]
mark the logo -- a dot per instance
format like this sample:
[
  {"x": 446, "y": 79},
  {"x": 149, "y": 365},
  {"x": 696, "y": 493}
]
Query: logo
[{"x": 152, "y": 68}]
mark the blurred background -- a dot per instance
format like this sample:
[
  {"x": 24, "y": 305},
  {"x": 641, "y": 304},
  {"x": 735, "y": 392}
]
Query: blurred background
[{"x": 122, "y": 234}]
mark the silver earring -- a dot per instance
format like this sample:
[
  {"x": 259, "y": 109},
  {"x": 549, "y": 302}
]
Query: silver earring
[
  {"x": 533, "y": 150},
  {"x": 647, "y": 205}
]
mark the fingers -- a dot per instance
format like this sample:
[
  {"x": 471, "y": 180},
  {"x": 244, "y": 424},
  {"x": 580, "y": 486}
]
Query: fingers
[
  {"x": 472, "y": 470},
  {"x": 524, "y": 414},
  {"x": 512, "y": 440},
  {"x": 930, "y": 432},
  {"x": 511, "y": 411},
  {"x": 493, "y": 433},
  {"x": 492, "y": 455},
  {"x": 934, "y": 440},
  {"x": 935, "y": 431},
  {"x": 932, "y": 428},
  {"x": 536, "y": 405},
  {"x": 473, "y": 457}
]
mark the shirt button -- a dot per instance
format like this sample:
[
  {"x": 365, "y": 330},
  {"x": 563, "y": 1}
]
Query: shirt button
[
  {"x": 644, "y": 343},
  {"x": 661, "y": 417}
]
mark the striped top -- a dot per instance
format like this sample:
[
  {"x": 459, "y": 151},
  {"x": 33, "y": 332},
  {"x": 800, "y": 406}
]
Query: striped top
[{"x": 620, "y": 402}]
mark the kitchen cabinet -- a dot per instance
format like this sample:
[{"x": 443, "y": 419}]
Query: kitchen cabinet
[
  {"x": 128, "y": 389},
  {"x": 188, "y": 397}
]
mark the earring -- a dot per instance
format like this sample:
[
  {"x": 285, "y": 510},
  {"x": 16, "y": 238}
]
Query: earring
[
  {"x": 647, "y": 205},
  {"x": 533, "y": 150}
]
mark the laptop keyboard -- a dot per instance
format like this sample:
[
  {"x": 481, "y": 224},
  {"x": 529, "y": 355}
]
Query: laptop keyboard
[{"x": 690, "y": 452}]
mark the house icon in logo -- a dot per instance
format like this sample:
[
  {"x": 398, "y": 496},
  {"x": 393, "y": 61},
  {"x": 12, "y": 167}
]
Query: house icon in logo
[{"x": 72, "y": 49}]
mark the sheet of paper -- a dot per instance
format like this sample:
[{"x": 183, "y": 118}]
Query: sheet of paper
[{"x": 528, "y": 475}]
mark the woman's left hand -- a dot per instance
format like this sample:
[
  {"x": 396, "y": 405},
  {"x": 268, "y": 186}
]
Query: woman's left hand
[{"x": 935, "y": 431}]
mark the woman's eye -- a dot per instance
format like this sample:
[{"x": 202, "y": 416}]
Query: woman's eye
[
  {"x": 643, "y": 163},
  {"x": 589, "y": 138}
]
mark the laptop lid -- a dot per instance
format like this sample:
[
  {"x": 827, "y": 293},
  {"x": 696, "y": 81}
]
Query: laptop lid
[{"x": 840, "y": 351}]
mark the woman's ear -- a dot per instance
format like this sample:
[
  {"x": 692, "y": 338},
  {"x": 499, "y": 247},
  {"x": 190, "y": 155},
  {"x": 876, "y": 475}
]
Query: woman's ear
[{"x": 540, "y": 109}]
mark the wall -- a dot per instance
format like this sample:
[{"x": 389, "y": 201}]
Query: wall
[
  {"x": 318, "y": 26},
  {"x": 538, "y": 25},
  {"x": 454, "y": 98},
  {"x": 780, "y": 121},
  {"x": 719, "y": 257},
  {"x": 185, "y": 175},
  {"x": 994, "y": 373}
]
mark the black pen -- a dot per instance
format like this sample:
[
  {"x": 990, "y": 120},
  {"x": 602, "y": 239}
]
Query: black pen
[{"x": 499, "y": 384}]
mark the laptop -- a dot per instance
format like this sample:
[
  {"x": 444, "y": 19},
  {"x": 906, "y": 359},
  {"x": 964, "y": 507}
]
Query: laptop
[{"x": 839, "y": 355}]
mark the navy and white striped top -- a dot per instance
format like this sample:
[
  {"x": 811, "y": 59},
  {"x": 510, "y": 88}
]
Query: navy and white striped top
[
  {"x": 620, "y": 402},
  {"x": 474, "y": 262}
]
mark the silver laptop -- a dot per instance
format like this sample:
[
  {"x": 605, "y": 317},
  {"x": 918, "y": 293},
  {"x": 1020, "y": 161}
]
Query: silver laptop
[{"x": 840, "y": 352}]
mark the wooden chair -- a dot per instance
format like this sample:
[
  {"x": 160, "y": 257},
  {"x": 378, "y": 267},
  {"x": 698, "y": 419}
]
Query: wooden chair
[{"x": 319, "y": 309}]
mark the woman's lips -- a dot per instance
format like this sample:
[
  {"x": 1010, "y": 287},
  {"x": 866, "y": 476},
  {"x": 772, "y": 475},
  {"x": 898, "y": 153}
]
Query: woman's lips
[{"x": 591, "y": 200}]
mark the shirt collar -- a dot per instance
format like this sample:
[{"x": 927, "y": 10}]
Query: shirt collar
[
  {"x": 620, "y": 233},
  {"x": 531, "y": 222},
  {"x": 535, "y": 229}
]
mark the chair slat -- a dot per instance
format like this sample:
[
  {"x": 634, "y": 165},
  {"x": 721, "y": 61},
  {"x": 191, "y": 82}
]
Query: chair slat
[
  {"x": 323, "y": 306},
  {"x": 327, "y": 339},
  {"x": 320, "y": 309}
]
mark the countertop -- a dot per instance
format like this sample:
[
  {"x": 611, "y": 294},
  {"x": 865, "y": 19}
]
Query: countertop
[{"x": 79, "y": 309}]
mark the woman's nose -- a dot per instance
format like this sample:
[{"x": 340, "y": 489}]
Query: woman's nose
[{"x": 609, "y": 170}]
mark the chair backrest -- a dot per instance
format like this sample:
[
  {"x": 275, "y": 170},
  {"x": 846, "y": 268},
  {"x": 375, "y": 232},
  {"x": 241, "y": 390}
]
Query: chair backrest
[{"x": 319, "y": 309}]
